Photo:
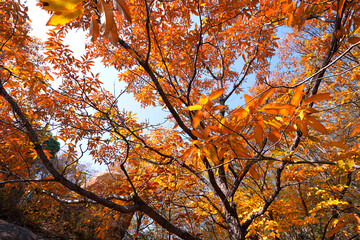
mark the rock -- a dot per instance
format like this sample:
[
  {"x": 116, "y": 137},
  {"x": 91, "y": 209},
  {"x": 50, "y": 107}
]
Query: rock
[{"x": 9, "y": 231}]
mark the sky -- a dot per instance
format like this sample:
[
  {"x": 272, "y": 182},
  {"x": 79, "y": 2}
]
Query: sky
[{"x": 77, "y": 41}]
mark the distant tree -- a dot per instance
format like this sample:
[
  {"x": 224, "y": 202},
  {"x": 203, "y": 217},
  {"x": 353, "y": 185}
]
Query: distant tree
[
  {"x": 279, "y": 160},
  {"x": 52, "y": 145}
]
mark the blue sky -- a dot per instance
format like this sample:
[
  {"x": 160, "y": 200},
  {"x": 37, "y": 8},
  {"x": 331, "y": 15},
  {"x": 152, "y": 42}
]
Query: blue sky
[
  {"x": 77, "y": 41},
  {"x": 109, "y": 76}
]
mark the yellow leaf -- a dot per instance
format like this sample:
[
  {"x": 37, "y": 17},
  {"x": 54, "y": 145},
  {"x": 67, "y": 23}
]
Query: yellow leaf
[
  {"x": 302, "y": 114},
  {"x": 340, "y": 164},
  {"x": 274, "y": 123},
  {"x": 357, "y": 228},
  {"x": 349, "y": 164},
  {"x": 61, "y": 18},
  {"x": 59, "y": 5},
  {"x": 194, "y": 107},
  {"x": 317, "y": 98},
  {"x": 122, "y": 7},
  {"x": 216, "y": 94},
  {"x": 203, "y": 100}
]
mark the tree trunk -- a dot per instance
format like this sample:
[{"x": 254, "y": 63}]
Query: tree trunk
[{"x": 235, "y": 230}]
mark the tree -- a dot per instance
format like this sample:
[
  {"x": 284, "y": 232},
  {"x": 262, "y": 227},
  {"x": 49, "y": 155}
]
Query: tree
[{"x": 282, "y": 162}]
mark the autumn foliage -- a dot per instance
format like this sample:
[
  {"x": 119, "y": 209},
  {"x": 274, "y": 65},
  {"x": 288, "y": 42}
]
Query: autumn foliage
[{"x": 262, "y": 135}]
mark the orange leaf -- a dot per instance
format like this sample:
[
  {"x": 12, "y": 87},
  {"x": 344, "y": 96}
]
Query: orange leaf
[
  {"x": 297, "y": 95},
  {"x": 315, "y": 124},
  {"x": 206, "y": 132},
  {"x": 197, "y": 118},
  {"x": 356, "y": 130},
  {"x": 107, "y": 18},
  {"x": 259, "y": 133},
  {"x": 303, "y": 127},
  {"x": 265, "y": 96},
  {"x": 250, "y": 104},
  {"x": 339, "y": 144},
  {"x": 253, "y": 173},
  {"x": 241, "y": 113},
  {"x": 94, "y": 29},
  {"x": 210, "y": 153},
  {"x": 317, "y": 98},
  {"x": 223, "y": 126},
  {"x": 274, "y": 123},
  {"x": 247, "y": 98},
  {"x": 122, "y": 7},
  {"x": 221, "y": 152},
  {"x": 218, "y": 107},
  {"x": 354, "y": 40},
  {"x": 216, "y": 94},
  {"x": 289, "y": 7},
  {"x": 274, "y": 136},
  {"x": 284, "y": 110},
  {"x": 197, "y": 134},
  {"x": 113, "y": 36},
  {"x": 339, "y": 225},
  {"x": 188, "y": 152},
  {"x": 226, "y": 167},
  {"x": 240, "y": 150}
]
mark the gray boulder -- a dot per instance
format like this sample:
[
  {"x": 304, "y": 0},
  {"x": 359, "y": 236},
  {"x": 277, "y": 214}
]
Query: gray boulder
[{"x": 9, "y": 231}]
